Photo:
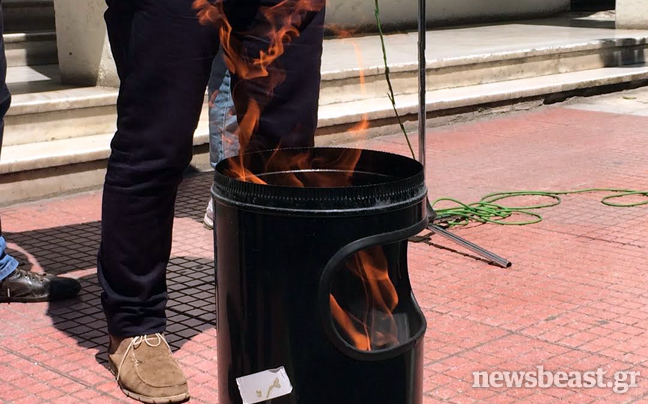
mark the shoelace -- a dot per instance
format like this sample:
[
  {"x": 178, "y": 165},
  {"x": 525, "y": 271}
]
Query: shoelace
[
  {"x": 136, "y": 342},
  {"x": 30, "y": 275}
]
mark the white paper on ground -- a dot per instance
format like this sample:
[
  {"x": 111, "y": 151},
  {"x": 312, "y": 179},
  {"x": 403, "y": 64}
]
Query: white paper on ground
[{"x": 263, "y": 386}]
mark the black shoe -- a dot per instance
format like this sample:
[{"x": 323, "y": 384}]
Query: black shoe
[{"x": 25, "y": 286}]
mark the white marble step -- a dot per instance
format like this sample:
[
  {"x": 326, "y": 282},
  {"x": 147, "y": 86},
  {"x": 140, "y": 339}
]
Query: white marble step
[
  {"x": 513, "y": 51},
  {"x": 63, "y": 152},
  {"x": 34, "y": 79},
  {"x": 43, "y": 110},
  {"x": 469, "y": 56},
  {"x": 483, "y": 94},
  {"x": 30, "y": 48},
  {"x": 38, "y": 170},
  {"x": 43, "y": 155},
  {"x": 47, "y": 123},
  {"x": 28, "y": 15}
]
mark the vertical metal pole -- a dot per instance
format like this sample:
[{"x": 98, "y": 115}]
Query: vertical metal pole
[
  {"x": 421, "y": 99},
  {"x": 421, "y": 81},
  {"x": 493, "y": 258}
]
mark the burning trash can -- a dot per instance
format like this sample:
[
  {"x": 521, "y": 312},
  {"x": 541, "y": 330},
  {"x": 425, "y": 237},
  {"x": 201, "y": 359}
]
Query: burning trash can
[{"x": 315, "y": 304}]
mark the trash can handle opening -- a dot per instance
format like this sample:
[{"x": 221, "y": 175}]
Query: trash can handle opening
[{"x": 335, "y": 265}]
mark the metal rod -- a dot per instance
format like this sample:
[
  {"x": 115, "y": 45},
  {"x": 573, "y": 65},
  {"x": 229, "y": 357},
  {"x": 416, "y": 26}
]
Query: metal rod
[
  {"x": 422, "y": 31},
  {"x": 421, "y": 81},
  {"x": 489, "y": 256}
]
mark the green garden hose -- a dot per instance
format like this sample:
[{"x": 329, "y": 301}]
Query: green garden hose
[{"x": 487, "y": 211}]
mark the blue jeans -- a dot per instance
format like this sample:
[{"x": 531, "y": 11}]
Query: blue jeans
[
  {"x": 8, "y": 264},
  {"x": 223, "y": 141}
]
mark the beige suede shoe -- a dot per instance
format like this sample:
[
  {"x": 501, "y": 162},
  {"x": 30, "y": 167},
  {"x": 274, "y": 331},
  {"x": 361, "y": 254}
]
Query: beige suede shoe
[{"x": 145, "y": 369}]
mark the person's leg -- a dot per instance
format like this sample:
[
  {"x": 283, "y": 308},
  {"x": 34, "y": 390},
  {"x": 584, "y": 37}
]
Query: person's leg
[
  {"x": 289, "y": 113},
  {"x": 18, "y": 285},
  {"x": 163, "y": 57},
  {"x": 223, "y": 141},
  {"x": 223, "y": 124},
  {"x": 8, "y": 264}
]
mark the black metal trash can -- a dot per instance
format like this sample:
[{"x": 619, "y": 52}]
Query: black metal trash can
[{"x": 314, "y": 300}]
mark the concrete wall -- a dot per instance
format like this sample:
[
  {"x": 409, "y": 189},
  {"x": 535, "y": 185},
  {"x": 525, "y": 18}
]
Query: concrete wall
[
  {"x": 632, "y": 14},
  {"x": 439, "y": 12},
  {"x": 83, "y": 49}
]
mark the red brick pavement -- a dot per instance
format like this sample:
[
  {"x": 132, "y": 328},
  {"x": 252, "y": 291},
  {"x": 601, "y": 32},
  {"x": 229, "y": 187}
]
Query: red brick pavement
[{"x": 576, "y": 298}]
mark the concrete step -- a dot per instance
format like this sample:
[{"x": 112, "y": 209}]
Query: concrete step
[
  {"x": 31, "y": 48},
  {"x": 62, "y": 152},
  {"x": 446, "y": 105},
  {"x": 530, "y": 62},
  {"x": 354, "y": 69},
  {"x": 36, "y": 170},
  {"x": 59, "y": 113},
  {"x": 28, "y": 15},
  {"x": 39, "y": 170},
  {"x": 43, "y": 110}
]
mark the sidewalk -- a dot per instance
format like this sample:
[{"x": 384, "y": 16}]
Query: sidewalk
[{"x": 576, "y": 298}]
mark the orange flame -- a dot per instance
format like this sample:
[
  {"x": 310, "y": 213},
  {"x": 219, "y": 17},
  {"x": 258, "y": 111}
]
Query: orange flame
[
  {"x": 279, "y": 25},
  {"x": 349, "y": 323},
  {"x": 364, "y": 122},
  {"x": 246, "y": 125},
  {"x": 375, "y": 328},
  {"x": 302, "y": 169},
  {"x": 283, "y": 21},
  {"x": 340, "y": 32}
]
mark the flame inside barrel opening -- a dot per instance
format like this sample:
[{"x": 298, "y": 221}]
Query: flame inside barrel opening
[{"x": 367, "y": 320}]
